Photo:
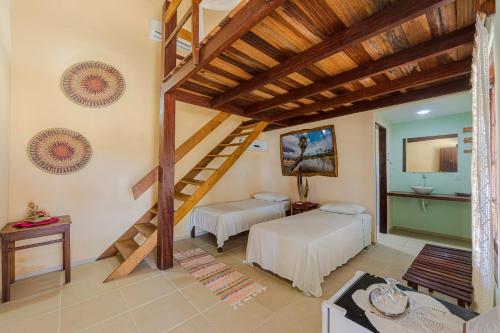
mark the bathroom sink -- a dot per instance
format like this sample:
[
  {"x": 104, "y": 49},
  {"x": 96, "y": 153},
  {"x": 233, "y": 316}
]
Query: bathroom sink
[{"x": 422, "y": 189}]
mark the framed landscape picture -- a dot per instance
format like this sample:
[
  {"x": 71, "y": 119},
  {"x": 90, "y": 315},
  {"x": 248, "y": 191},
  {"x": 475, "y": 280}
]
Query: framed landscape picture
[{"x": 312, "y": 150}]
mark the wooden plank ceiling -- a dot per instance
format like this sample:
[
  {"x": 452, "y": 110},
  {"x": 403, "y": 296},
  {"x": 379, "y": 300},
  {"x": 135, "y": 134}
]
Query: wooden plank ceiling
[{"x": 306, "y": 60}]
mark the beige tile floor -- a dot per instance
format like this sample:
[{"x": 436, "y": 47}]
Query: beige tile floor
[{"x": 150, "y": 301}]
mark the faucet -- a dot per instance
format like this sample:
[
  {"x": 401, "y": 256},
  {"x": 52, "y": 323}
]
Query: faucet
[{"x": 424, "y": 177}]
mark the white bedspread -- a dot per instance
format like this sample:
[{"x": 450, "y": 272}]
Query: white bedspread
[
  {"x": 230, "y": 218},
  {"x": 306, "y": 247}
]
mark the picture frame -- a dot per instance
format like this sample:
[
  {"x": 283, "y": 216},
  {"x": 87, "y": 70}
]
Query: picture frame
[{"x": 314, "y": 150}]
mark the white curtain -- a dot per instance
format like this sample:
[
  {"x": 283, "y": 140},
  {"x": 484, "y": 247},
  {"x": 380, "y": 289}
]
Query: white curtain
[{"x": 482, "y": 238}]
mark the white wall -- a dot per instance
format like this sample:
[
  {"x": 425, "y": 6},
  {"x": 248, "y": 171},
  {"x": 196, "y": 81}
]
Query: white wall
[{"x": 5, "y": 45}]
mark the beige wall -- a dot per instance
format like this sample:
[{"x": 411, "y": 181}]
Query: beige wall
[
  {"x": 124, "y": 135},
  {"x": 355, "y": 149},
  {"x": 50, "y": 35},
  {"x": 4, "y": 106}
]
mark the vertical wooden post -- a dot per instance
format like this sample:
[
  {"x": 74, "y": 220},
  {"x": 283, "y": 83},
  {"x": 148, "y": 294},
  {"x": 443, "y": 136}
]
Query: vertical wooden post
[
  {"x": 166, "y": 184},
  {"x": 195, "y": 29},
  {"x": 165, "y": 248}
]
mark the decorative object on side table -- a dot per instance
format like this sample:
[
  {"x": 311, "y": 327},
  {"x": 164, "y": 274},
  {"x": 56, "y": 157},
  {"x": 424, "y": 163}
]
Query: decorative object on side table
[
  {"x": 301, "y": 187},
  {"x": 349, "y": 310},
  {"x": 9, "y": 235},
  {"x": 93, "y": 84},
  {"x": 301, "y": 207},
  {"x": 59, "y": 151},
  {"x": 35, "y": 214},
  {"x": 389, "y": 300},
  {"x": 35, "y": 217}
]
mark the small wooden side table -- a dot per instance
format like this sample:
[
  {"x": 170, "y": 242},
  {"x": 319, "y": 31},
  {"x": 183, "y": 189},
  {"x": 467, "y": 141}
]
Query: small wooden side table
[
  {"x": 301, "y": 207},
  {"x": 9, "y": 235}
]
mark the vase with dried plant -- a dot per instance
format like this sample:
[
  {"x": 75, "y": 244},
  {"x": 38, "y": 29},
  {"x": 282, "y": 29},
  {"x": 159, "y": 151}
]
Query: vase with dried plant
[{"x": 302, "y": 187}]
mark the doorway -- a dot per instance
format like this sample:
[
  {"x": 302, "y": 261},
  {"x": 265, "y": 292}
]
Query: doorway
[{"x": 381, "y": 165}]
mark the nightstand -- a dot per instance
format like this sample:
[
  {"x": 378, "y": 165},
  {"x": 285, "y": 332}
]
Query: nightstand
[{"x": 301, "y": 207}]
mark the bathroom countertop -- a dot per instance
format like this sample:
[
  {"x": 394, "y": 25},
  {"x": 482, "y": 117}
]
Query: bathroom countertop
[{"x": 445, "y": 197}]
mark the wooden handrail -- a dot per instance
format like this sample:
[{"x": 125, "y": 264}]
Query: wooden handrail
[
  {"x": 179, "y": 26},
  {"x": 147, "y": 181},
  {"x": 217, "y": 175}
]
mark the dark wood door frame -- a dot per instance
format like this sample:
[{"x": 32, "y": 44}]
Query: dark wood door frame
[{"x": 382, "y": 178}]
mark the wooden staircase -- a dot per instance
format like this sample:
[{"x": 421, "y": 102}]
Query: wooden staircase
[{"x": 141, "y": 238}]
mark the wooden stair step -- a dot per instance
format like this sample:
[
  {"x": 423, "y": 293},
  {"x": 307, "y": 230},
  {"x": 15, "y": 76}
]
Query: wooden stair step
[
  {"x": 223, "y": 155},
  {"x": 126, "y": 247},
  {"x": 210, "y": 169},
  {"x": 146, "y": 229},
  {"x": 239, "y": 134},
  {"x": 244, "y": 127},
  {"x": 229, "y": 144},
  {"x": 192, "y": 182},
  {"x": 181, "y": 196}
]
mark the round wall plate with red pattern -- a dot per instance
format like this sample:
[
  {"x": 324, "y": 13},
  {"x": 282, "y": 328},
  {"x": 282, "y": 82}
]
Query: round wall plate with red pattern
[
  {"x": 93, "y": 84},
  {"x": 59, "y": 151}
]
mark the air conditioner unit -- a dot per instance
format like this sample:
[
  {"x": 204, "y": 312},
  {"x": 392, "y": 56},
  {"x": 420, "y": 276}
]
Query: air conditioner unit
[{"x": 156, "y": 34}]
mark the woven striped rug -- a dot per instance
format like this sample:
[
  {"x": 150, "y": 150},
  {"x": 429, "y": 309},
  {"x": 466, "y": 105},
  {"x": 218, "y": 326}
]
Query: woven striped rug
[{"x": 231, "y": 286}]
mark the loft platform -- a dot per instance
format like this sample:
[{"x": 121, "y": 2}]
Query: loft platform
[{"x": 289, "y": 62}]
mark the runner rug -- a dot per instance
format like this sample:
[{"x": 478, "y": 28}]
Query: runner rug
[{"x": 231, "y": 286}]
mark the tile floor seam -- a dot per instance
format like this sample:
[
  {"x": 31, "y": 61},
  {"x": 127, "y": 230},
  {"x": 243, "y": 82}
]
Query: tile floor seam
[
  {"x": 198, "y": 312},
  {"x": 152, "y": 300},
  {"x": 129, "y": 311},
  {"x": 88, "y": 299},
  {"x": 209, "y": 322},
  {"x": 263, "y": 323},
  {"x": 101, "y": 322}
]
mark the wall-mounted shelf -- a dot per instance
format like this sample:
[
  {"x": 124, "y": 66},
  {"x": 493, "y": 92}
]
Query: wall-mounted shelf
[{"x": 444, "y": 197}]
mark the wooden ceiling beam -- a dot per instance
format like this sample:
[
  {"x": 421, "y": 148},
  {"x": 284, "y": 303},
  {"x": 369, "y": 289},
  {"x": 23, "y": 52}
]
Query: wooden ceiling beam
[
  {"x": 456, "y": 86},
  {"x": 203, "y": 101},
  {"x": 248, "y": 16},
  {"x": 449, "y": 70},
  {"x": 394, "y": 15},
  {"x": 416, "y": 53}
]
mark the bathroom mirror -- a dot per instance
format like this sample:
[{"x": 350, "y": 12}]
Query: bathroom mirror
[{"x": 430, "y": 153}]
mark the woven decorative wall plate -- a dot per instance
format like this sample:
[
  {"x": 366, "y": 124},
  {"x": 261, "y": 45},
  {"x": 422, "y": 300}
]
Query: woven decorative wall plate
[
  {"x": 59, "y": 151},
  {"x": 93, "y": 84}
]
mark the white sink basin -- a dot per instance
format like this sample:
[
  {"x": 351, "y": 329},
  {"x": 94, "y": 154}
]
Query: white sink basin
[{"x": 422, "y": 189}]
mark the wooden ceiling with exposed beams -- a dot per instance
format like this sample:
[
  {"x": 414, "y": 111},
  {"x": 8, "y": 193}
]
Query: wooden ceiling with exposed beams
[{"x": 290, "y": 62}]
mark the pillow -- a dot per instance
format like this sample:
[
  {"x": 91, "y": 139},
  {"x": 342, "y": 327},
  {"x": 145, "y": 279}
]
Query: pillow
[
  {"x": 270, "y": 196},
  {"x": 343, "y": 208}
]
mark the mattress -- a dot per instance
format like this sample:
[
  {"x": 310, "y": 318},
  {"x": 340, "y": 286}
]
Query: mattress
[
  {"x": 304, "y": 248},
  {"x": 230, "y": 218}
]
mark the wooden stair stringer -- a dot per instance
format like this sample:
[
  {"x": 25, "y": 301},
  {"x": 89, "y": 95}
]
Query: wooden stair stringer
[
  {"x": 137, "y": 256},
  {"x": 147, "y": 181},
  {"x": 205, "y": 161},
  {"x": 131, "y": 232},
  {"x": 128, "y": 265},
  {"x": 182, "y": 211}
]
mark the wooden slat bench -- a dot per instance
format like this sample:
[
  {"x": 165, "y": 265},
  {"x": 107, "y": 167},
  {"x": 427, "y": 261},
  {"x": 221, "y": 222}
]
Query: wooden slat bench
[{"x": 443, "y": 269}]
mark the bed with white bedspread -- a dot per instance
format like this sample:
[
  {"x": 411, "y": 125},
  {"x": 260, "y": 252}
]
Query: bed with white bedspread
[
  {"x": 231, "y": 218},
  {"x": 306, "y": 247}
]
